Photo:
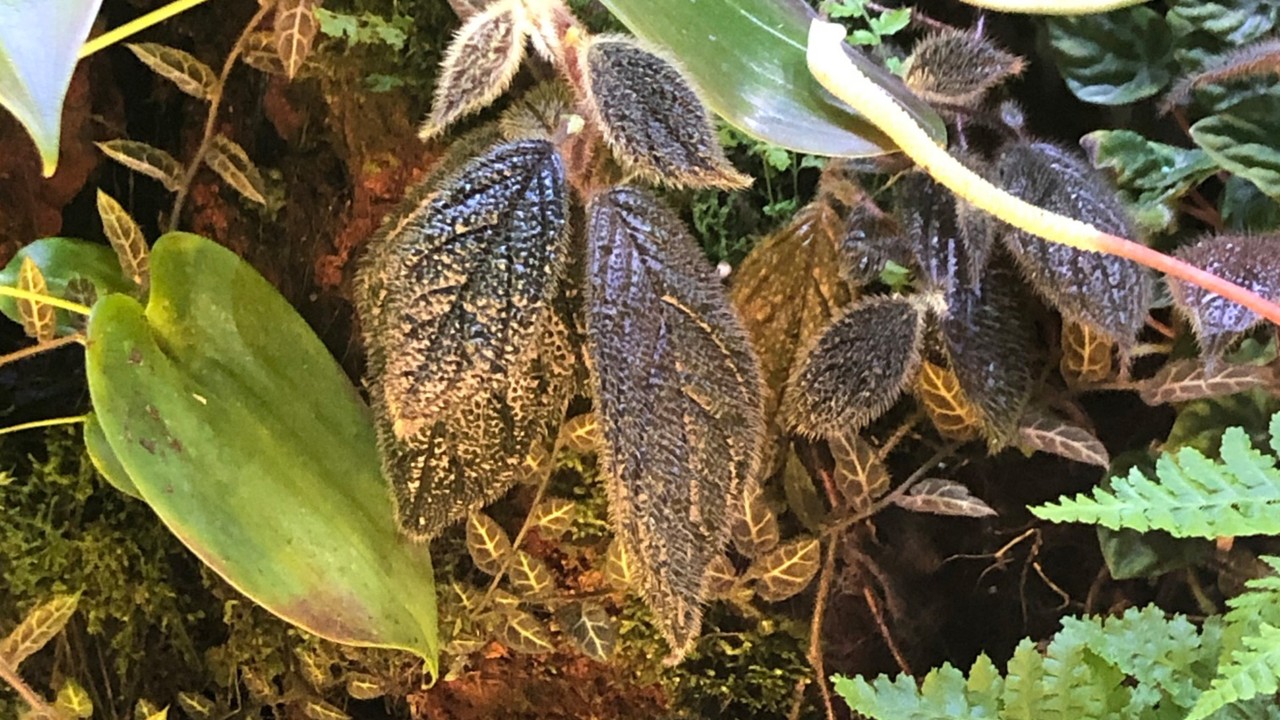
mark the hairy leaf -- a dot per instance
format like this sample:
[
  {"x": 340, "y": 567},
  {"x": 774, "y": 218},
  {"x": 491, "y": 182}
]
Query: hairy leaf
[
  {"x": 1185, "y": 380},
  {"x": 41, "y": 624},
  {"x": 39, "y": 320},
  {"x": 721, "y": 577},
  {"x": 295, "y": 33},
  {"x": 73, "y": 700},
  {"x": 951, "y": 412},
  {"x": 786, "y": 570},
  {"x": 1249, "y": 261},
  {"x": 592, "y": 630},
  {"x": 755, "y": 526},
  {"x": 1107, "y": 293},
  {"x": 145, "y": 159},
  {"x": 678, "y": 396},
  {"x": 554, "y": 516},
  {"x": 233, "y": 165},
  {"x": 956, "y": 67},
  {"x": 943, "y": 497},
  {"x": 487, "y": 543},
  {"x": 860, "y": 475},
  {"x": 126, "y": 239},
  {"x": 855, "y": 370},
  {"x": 619, "y": 566},
  {"x": 543, "y": 112},
  {"x": 1113, "y": 58},
  {"x": 581, "y": 433},
  {"x": 529, "y": 576},
  {"x": 179, "y": 67},
  {"x": 1151, "y": 176},
  {"x": 479, "y": 64},
  {"x": 651, "y": 118},
  {"x": 947, "y": 255},
  {"x": 1086, "y": 354},
  {"x": 1040, "y": 431},
  {"x": 526, "y": 634},
  {"x": 1242, "y": 140}
]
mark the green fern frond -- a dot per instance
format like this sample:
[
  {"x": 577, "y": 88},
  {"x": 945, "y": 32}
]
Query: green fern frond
[
  {"x": 1251, "y": 672},
  {"x": 1195, "y": 496}
]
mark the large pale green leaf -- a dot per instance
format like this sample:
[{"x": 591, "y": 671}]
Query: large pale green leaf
[
  {"x": 241, "y": 432},
  {"x": 62, "y": 261},
  {"x": 39, "y": 42},
  {"x": 1244, "y": 140},
  {"x": 1113, "y": 58},
  {"x": 747, "y": 59}
]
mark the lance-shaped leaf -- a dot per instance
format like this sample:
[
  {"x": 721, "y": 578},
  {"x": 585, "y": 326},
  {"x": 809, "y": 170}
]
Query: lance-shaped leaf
[
  {"x": 619, "y": 567},
  {"x": 787, "y": 570},
  {"x": 802, "y": 496},
  {"x": 526, "y": 634},
  {"x": 1105, "y": 292},
  {"x": 529, "y": 576},
  {"x": 126, "y": 239},
  {"x": 678, "y": 396},
  {"x": 855, "y": 370},
  {"x": 954, "y": 416},
  {"x": 181, "y": 68},
  {"x": 40, "y": 625},
  {"x": 233, "y": 165},
  {"x": 1249, "y": 261},
  {"x": 755, "y": 526},
  {"x": 38, "y": 318},
  {"x": 554, "y": 516},
  {"x": 1040, "y": 431},
  {"x": 487, "y": 543},
  {"x": 295, "y": 33},
  {"x": 479, "y": 64},
  {"x": 651, "y": 118},
  {"x": 145, "y": 159},
  {"x": 721, "y": 577},
  {"x": 1086, "y": 354},
  {"x": 859, "y": 475},
  {"x": 1186, "y": 380},
  {"x": 942, "y": 497},
  {"x": 957, "y": 67},
  {"x": 592, "y": 629}
]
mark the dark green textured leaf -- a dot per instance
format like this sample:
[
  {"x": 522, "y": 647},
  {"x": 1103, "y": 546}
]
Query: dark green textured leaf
[
  {"x": 1113, "y": 58},
  {"x": 1243, "y": 139},
  {"x": 856, "y": 369},
  {"x": 1205, "y": 29},
  {"x": 678, "y": 396},
  {"x": 957, "y": 67},
  {"x": 1151, "y": 176},
  {"x": 1105, "y": 292},
  {"x": 1247, "y": 260},
  {"x": 592, "y": 630},
  {"x": 652, "y": 119},
  {"x": 787, "y": 570}
]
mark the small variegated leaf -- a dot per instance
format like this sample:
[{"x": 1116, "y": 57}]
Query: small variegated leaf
[
  {"x": 529, "y": 576},
  {"x": 233, "y": 165},
  {"x": 554, "y": 516},
  {"x": 487, "y": 543},
  {"x": 126, "y": 239},
  {"x": 526, "y": 634},
  {"x": 1041, "y": 432},
  {"x": 581, "y": 434},
  {"x": 179, "y": 67},
  {"x": 592, "y": 629},
  {"x": 802, "y": 496},
  {"x": 860, "y": 476},
  {"x": 361, "y": 686},
  {"x": 755, "y": 526},
  {"x": 196, "y": 706},
  {"x": 951, "y": 412},
  {"x": 316, "y": 709},
  {"x": 146, "y": 160},
  {"x": 787, "y": 570},
  {"x": 259, "y": 688},
  {"x": 854, "y": 371},
  {"x": 38, "y": 319},
  {"x": 73, "y": 700},
  {"x": 479, "y": 64},
  {"x": 678, "y": 396},
  {"x": 651, "y": 118},
  {"x": 146, "y": 710},
  {"x": 1185, "y": 380},
  {"x": 1086, "y": 354},
  {"x": 958, "y": 67},
  {"x": 721, "y": 577},
  {"x": 81, "y": 290},
  {"x": 619, "y": 568},
  {"x": 313, "y": 668},
  {"x": 260, "y": 53},
  {"x": 1248, "y": 261},
  {"x": 41, "y": 624},
  {"x": 943, "y": 497},
  {"x": 295, "y": 33},
  {"x": 503, "y": 600}
]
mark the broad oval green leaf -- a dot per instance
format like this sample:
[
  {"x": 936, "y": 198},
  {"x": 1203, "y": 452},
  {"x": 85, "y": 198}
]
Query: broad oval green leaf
[
  {"x": 1242, "y": 139},
  {"x": 747, "y": 60},
  {"x": 62, "y": 260},
  {"x": 241, "y": 432},
  {"x": 1113, "y": 58},
  {"x": 39, "y": 42}
]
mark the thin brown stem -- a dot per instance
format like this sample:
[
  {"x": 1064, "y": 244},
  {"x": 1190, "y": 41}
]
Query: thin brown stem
[
  {"x": 887, "y": 636},
  {"x": 33, "y": 350},
  {"x": 815, "y": 627},
  {"x": 843, "y": 523},
  {"x": 9, "y": 674}
]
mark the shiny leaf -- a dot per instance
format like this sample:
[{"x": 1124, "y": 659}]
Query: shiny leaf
[
  {"x": 860, "y": 475},
  {"x": 755, "y": 526},
  {"x": 1249, "y": 261},
  {"x": 1242, "y": 139},
  {"x": 554, "y": 516},
  {"x": 233, "y": 165},
  {"x": 62, "y": 262},
  {"x": 487, "y": 543},
  {"x": 1086, "y": 354},
  {"x": 40, "y": 625},
  {"x": 942, "y": 497},
  {"x": 1186, "y": 380},
  {"x": 592, "y": 630},
  {"x": 526, "y": 634},
  {"x": 1151, "y": 176},
  {"x": 126, "y": 239},
  {"x": 38, "y": 318},
  {"x": 145, "y": 159},
  {"x": 529, "y": 576},
  {"x": 104, "y": 458},
  {"x": 958, "y": 67},
  {"x": 295, "y": 33},
  {"x": 181, "y": 68},
  {"x": 954, "y": 416},
  {"x": 1041, "y": 431},
  {"x": 1113, "y": 58},
  {"x": 787, "y": 570}
]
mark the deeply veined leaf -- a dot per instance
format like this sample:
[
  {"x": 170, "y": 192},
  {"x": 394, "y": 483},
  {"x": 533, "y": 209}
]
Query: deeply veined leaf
[
  {"x": 755, "y": 525},
  {"x": 1040, "y": 431},
  {"x": 73, "y": 700},
  {"x": 860, "y": 475},
  {"x": 261, "y": 53},
  {"x": 487, "y": 543},
  {"x": 1086, "y": 354},
  {"x": 581, "y": 433},
  {"x": 720, "y": 579},
  {"x": 361, "y": 686},
  {"x": 651, "y": 118},
  {"x": 554, "y": 516},
  {"x": 181, "y": 68},
  {"x": 942, "y": 497},
  {"x": 1185, "y": 380},
  {"x": 1249, "y": 261},
  {"x": 786, "y": 570},
  {"x": 660, "y": 329},
  {"x": 1242, "y": 140},
  {"x": 145, "y": 159},
  {"x": 619, "y": 567},
  {"x": 1204, "y": 30},
  {"x": 1113, "y": 58},
  {"x": 958, "y": 67},
  {"x": 315, "y": 709},
  {"x": 529, "y": 575},
  {"x": 954, "y": 416},
  {"x": 479, "y": 64},
  {"x": 233, "y": 165},
  {"x": 592, "y": 630},
  {"x": 126, "y": 239},
  {"x": 854, "y": 371},
  {"x": 38, "y": 318},
  {"x": 526, "y": 634},
  {"x": 295, "y": 33},
  {"x": 1151, "y": 176},
  {"x": 40, "y": 625}
]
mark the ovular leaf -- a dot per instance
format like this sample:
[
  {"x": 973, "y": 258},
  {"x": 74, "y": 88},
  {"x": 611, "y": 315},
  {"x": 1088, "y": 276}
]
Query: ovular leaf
[
  {"x": 581, "y": 433},
  {"x": 958, "y": 67},
  {"x": 126, "y": 239},
  {"x": 295, "y": 33},
  {"x": 554, "y": 516},
  {"x": 1152, "y": 176},
  {"x": 592, "y": 630},
  {"x": 1086, "y": 354},
  {"x": 487, "y": 543},
  {"x": 1113, "y": 58},
  {"x": 943, "y": 497},
  {"x": 1186, "y": 380},
  {"x": 1043, "y": 432},
  {"x": 40, "y": 625},
  {"x": 755, "y": 525},
  {"x": 860, "y": 475},
  {"x": 1242, "y": 139},
  {"x": 63, "y": 261},
  {"x": 660, "y": 328},
  {"x": 950, "y": 410},
  {"x": 787, "y": 570},
  {"x": 529, "y": 575},
  {"x": 38, "y": 318},
  {"x": 143, "y": 158},
  {"x": 1246, "y": 260},
  {"x": 619, "y": 566},
  {"x": 526, "y": 634},
  {"x": 233, "y": 165},
  {"x": 180, "y": 67}
]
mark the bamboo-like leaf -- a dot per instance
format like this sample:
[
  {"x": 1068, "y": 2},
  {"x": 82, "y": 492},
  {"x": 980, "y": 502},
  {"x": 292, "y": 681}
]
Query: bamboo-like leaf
[
  {"x": 592, "y": 630},
  {"x": 295, "y": 33},
  {"x": 145, "y": 159},
  {"x": 1086, "y": 354},
  {"x": 955, "y": 417},
  {"x": 651, "y": 117},
  {"x": 619, "y": 567},
  {"x": 529, "y": 575},
  {"x": 721, "y": 577},
  {"x": 316, "y": 709},
  {"x": 526, "y": 634},
  {"x": 479, "y": 64},
  {"x": 197, "y": 706},
  {"x": 73, "y": 700},
  {"x": 179, "y": 67},
  {"x": 41, "y": 624},
  {"x": 581, "y": 433},
  {"x": 956, "y": 67},
  {"x": 38, "y": 319},
  {"x": 1040, "y": 431},
  {"x": 487, "y": 543},
  {"x": 755, "y": 526},
  {"x": 943, "y": 497},
  {"x": 1248, "y": 260},
  {"x": 1185, "y": 380},
  {"x": 126, "y": 239},
  {"x": 233, "y": 165},
  {"x": 554, "y": 516},
  {"x": 787, "y": 570},
  {"x": 361, "y": 686},
  {"x": 860, "y": 475},
  {"x": 677, "y": 393}
]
